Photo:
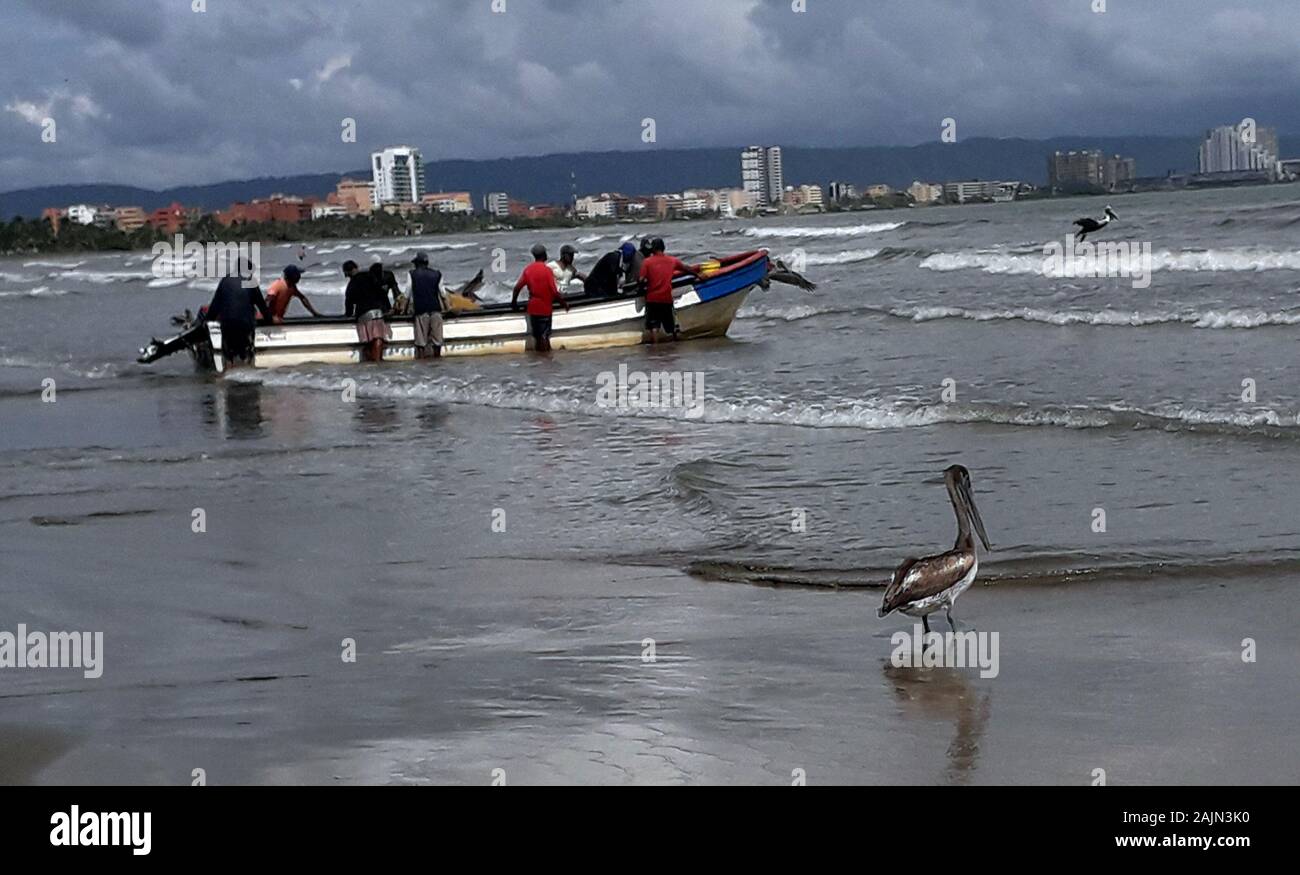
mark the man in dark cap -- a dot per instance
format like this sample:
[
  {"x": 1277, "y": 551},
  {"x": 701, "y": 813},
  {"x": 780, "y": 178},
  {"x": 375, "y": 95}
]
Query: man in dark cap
[
  {"x": 427, "y": 306},
  {"x": 235, "y": 305},
  {"x": 657, "y": 274},
  {"x": 542, "y": 295},
  {"x": 564, "y": 269},
  {"x": 284, "y": 290}
]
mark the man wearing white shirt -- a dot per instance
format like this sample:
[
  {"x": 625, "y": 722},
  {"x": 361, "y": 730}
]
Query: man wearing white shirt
[{"x": 564, "y": 269}]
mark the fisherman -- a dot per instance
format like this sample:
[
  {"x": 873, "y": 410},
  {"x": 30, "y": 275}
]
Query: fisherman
[
  {"x": 387, "y": 283},
  {"x": 610, "y": 271},
  {"x": 657, "y": 274},
  {"x": 564, "y": 269},
  {"x": 542, "y": 295},
  {"x": 284, "y": 290},
  {"x": 366, "y": 301},
  {"x": 428, "y": 303},
  {"x": 235, "y": 305}
]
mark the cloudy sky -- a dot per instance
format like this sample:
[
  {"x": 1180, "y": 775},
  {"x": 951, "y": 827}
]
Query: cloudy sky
[{"x": 154, "y": 93}]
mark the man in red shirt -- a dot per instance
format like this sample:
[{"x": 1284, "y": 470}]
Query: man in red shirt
[
  {"x": 657, "y": 273},
  {"x": 542, "y": 295},
  {"x": 284, "y": 290}
]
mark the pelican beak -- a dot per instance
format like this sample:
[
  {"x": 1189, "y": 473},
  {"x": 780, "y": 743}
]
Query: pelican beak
[{"x": 974, "y": 514}]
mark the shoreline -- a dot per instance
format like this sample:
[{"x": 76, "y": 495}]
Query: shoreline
[
  {"x": 273, "y": 234},
  {"x": 748, "y": 685}
]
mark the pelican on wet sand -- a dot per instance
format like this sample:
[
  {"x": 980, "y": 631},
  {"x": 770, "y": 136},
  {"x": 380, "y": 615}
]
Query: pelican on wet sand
[
  {"x": 1089, "y": 225},
  {"x": 922, "y": 586}
]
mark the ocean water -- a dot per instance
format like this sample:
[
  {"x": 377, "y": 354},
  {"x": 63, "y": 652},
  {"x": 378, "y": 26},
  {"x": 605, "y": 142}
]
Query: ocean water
[{"x": 1075, "y": 398}]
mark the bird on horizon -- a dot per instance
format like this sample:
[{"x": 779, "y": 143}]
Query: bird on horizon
[
  {"x": 922, "y": 586},
  {"x": 1089, "y": 225}
]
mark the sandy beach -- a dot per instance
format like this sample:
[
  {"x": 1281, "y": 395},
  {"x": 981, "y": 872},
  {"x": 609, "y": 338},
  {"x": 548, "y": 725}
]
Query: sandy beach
[{"x": 748, "y": 685}]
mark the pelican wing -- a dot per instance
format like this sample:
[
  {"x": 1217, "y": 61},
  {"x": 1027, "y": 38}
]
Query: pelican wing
[
  {"x": 471, "y": 286},
  {"x": 918, "y": 579},
  {"x": 783, "y": 274}
]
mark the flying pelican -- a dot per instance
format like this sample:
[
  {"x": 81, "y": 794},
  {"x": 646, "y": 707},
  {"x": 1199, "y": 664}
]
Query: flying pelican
[
  {"x": 922, "y": 586},
  {"x": 784, "y": 274},
  {"x": 1088, "y": 226}
]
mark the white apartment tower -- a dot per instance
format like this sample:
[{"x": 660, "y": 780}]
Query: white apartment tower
[
  {"x": 761, "y": 175},
  {"x": 398, "y": 176},
  {"x": 1226, "y": 149}
]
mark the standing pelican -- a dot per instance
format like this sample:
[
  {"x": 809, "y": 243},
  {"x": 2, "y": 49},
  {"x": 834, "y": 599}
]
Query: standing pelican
[
  {"x": 922, "y": 586},
  {"x": 1088, "y": 225}
]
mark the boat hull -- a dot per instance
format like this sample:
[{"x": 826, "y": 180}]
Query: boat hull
[{"x": 704, "y": 308}]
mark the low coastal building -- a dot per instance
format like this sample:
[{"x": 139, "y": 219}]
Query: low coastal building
[
  {"x": 129, "y": 219},
  {"x": 174, "y": 217},
  {"x": 449, "y": 202},
  {"x": 925, "y": 192},
  {"x": 356, "y": 196}
]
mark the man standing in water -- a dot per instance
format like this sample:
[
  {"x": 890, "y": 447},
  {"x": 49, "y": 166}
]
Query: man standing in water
[
  {"x": 657, "y": 273},
  {"x": 366, "y": 301},
  {"x": 235, "y": 305},
  {"x": 542, "y": 295},
  {"x": 427, "y": 305}
]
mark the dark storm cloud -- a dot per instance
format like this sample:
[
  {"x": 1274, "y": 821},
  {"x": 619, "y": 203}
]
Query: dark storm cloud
[{"x": 150, "y": 92}]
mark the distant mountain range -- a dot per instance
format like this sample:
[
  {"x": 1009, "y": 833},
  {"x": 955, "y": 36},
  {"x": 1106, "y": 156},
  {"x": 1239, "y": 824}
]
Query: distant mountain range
[{"x": 548, "y": 179}]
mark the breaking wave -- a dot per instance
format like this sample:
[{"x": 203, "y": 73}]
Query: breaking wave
[
  {"x": 844, "y": 256},
  {"x": 1212, "y": 260},
  {"x": 871, "y": 415},
  {"x": 1130, "y": 318},
  {"x": 414, "y": 247},
  {"x": 38, "y": 292},
  {"x": 823, "y": 231}
]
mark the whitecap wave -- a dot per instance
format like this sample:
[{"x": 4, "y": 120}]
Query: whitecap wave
[
  {"x": 860, "y": 414},
  {"x": 823, "y": 230},
  {"x": 1130, "y": 318},
  {"x": 1213, "y": 260}
]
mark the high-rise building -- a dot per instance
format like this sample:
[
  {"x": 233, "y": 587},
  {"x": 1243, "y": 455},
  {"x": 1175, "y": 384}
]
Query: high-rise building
[
  {"x": 762, "y": 176},
  {"x": 1119, "y": 172},
  {"x": 1076, "y": 170},
  {"x": 842, "y": 191},
  {"x": 1228, "y": 149},
  {"x": 398, "y": 175},
  {"x": 496, "y": 203}
]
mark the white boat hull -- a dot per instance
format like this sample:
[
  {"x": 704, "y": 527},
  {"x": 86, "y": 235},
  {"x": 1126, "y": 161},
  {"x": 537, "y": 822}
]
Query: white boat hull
[{"x": 619, "y": 322}]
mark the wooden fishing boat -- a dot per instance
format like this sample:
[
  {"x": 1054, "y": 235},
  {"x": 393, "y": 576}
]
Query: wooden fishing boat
[{"x": 704, "y": 308}]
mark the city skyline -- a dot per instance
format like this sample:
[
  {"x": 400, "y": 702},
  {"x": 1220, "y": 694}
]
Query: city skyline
[{"x": 835, "y": 74}]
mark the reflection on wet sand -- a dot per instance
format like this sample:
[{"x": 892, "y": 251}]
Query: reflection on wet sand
[
  {"x": 28, "y": 750},
  {"x": 944, "y": 694},
  {"x": 376, "y": 417},
  {"x": 235, "y": 409}
]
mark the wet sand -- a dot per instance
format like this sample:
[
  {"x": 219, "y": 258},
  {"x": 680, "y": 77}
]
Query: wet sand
[{"x": 537, "y": 668}]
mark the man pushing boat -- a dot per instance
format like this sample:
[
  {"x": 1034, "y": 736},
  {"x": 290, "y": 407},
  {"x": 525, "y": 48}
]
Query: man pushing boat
[
  {"x": 657, "y": 274},
  {"x": 542, "y": 295}
]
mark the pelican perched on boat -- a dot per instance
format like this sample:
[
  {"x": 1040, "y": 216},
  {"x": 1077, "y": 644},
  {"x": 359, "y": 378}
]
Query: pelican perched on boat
[
  {"x": 1089, "y": 225},
  {"x": 922, "y": 586}
]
